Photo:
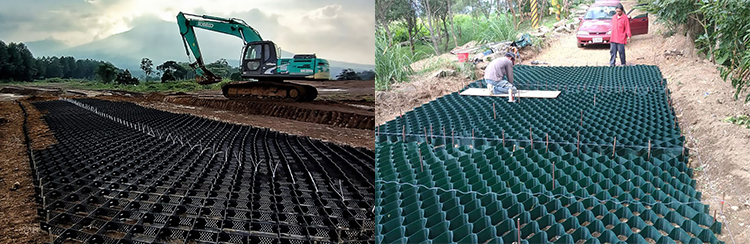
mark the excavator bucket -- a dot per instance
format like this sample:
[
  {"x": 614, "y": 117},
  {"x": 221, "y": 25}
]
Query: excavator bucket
[{"x": 205, "y": 77}]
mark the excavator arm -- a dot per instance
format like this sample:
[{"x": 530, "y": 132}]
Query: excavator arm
[{"x": 235, "y": 27}]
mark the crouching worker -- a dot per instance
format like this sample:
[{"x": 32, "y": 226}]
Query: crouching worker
[{"x": 495, "y": 73}]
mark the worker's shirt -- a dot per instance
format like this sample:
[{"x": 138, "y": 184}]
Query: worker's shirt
[
  {"x": 498, "y": 68},
  {"x": 620, "y": 29}
]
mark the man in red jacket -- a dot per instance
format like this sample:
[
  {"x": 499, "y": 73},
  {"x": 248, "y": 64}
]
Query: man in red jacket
[{"x": 620, "y": 35}]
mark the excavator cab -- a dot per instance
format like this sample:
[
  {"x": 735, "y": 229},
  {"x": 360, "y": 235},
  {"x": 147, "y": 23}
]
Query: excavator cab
[{"x": 260, "y": 58}]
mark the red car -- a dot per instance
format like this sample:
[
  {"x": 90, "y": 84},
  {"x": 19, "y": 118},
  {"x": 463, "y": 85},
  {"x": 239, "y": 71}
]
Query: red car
[{"x": 596, "y": 26}]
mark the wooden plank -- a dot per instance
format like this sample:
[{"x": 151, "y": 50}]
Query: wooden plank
[{"x": 521, "y": 93}]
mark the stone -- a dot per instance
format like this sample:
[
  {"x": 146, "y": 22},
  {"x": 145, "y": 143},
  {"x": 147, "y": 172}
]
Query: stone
[
  {"x": 559, "y": 23},
  {"x": 561, "y": 29},
  {"x": 735, "y": 208},
  {"x": 492, "y": 56},
  {"x": 444, "y": 73},
  {"x": 15, "y": 186}
]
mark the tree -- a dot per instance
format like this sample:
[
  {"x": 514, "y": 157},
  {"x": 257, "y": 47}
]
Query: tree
[
  {"x": 106, "y": 72},
  {"x": 406, "y": 10},
  {"x": 220, "y": 68},
  {"x": 383, "y": 9},
  {"x": 366, "y": 75},
  {"x": 41, "y": 69},
  {"x": 450, "y": 15},
  {"x": 14, "y": 61},
  {"x": 147, "y": 66},
  {"x": 430, "y": 28},
  {"x": 236, "y": 76},
  {"x": 54, "y": 68},
  {"x": 69, "y": 66},
  {"x": 3, "y": 61},
  {"x": 186, "y": 72},
  {"x": 28, "y": 64},
  {"x": 171, "y": 70},
  {"x": 347, "y": 74},
  {"x": 125, "y": 78}
]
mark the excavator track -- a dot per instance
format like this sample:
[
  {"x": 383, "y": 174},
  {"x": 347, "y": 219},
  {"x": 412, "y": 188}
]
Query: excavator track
[{"x": 269, "y": 91}]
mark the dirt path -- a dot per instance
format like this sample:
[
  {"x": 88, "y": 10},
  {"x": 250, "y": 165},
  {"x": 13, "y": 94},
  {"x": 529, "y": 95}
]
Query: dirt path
[
  {"x": 17, "y": 205},
  {"x": 702, "y": 100}
]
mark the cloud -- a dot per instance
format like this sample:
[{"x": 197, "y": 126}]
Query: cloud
[
  {"x": 337, "y": 30},
  {"x": 334, "y": 32}
]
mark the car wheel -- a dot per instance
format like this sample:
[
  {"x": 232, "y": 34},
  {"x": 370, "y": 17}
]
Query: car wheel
[{"x": 580, "y": 45}]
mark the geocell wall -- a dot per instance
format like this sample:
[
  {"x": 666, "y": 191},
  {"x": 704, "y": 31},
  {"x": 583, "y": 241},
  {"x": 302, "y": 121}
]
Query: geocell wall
[{"x": 603, "y": 162}]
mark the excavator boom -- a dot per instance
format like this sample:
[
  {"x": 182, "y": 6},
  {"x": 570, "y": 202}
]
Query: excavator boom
[{"x": 235, "y": 27}]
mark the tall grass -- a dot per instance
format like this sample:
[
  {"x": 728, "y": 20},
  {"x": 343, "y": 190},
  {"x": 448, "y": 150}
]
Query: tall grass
[
  {"x": 483, "y": 30},
  {"x": 391, "y": 64}
]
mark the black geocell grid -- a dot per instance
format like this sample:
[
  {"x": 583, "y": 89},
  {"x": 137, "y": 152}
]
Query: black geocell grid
[{"x": 122, "y": 173}]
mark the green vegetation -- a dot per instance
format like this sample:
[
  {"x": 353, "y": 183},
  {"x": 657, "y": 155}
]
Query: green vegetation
[
  {"x": 408, "y": 31},
  {"x": 741, "y": 120},
  {"x": 391, "y": 64},
  {"x": 17, "y": 64},
  {"x": 143, "y": 87},
  {"x": 721, "y": 30}
]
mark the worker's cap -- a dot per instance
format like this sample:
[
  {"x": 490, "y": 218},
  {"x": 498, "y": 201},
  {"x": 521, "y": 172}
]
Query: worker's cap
[{"x": 510, "y": 55}]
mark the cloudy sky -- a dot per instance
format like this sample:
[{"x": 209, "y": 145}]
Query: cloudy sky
[{"x": 336, "y": 30}]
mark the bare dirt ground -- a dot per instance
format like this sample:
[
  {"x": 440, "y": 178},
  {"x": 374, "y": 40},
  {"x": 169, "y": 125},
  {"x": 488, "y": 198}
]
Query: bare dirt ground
[
  {"x": 701, "y": 99},
  {"x": 343, "y": 112},
  {"x": 17, "y": 206},
  {"x": 347, "y": 136},
  {"x": 19, "y": 221}
]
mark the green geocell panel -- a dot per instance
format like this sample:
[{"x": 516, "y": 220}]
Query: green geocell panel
[{"x": 458, "y": 187}]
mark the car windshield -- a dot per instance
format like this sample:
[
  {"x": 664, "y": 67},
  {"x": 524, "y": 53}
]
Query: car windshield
[{"x": 600, "y": 12}]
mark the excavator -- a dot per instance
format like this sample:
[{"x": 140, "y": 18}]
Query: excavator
[{"x": 260, "y": 61}]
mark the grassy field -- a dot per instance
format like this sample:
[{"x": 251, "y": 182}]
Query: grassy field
[{"x": 143, "y": 87}]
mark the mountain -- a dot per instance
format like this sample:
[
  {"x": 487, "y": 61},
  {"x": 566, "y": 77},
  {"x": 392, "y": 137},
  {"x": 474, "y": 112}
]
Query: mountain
[
  {"x": 46, "y": 47},
  {"x": 159, "y": 41}
]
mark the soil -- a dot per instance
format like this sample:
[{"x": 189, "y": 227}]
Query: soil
[
  {"x": 320, "y": 112},
  {"x": 17, "y": 206},
  {"x": 348, "y": 136},
  {"x": 700, "y": 98},
  {"x": 343, "y": 113}
]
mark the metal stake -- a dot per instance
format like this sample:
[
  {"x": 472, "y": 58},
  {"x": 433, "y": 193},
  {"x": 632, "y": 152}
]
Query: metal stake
[
  {"x": 614, "y": 145},
  {"x": 421, "y": 165},
  {"x": 493, "y": 110},
  {"x": 518, "y": 227}
]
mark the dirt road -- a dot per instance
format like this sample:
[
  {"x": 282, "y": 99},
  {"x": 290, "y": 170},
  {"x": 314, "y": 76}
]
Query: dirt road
[
  {"x": 702, "y": 100},
  {"x": 17, "y": 206}
]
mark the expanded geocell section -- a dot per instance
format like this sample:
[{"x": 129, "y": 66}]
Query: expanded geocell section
[
  {"x": 122, "y": 172},
  {"x": 602, "y": 163}
]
